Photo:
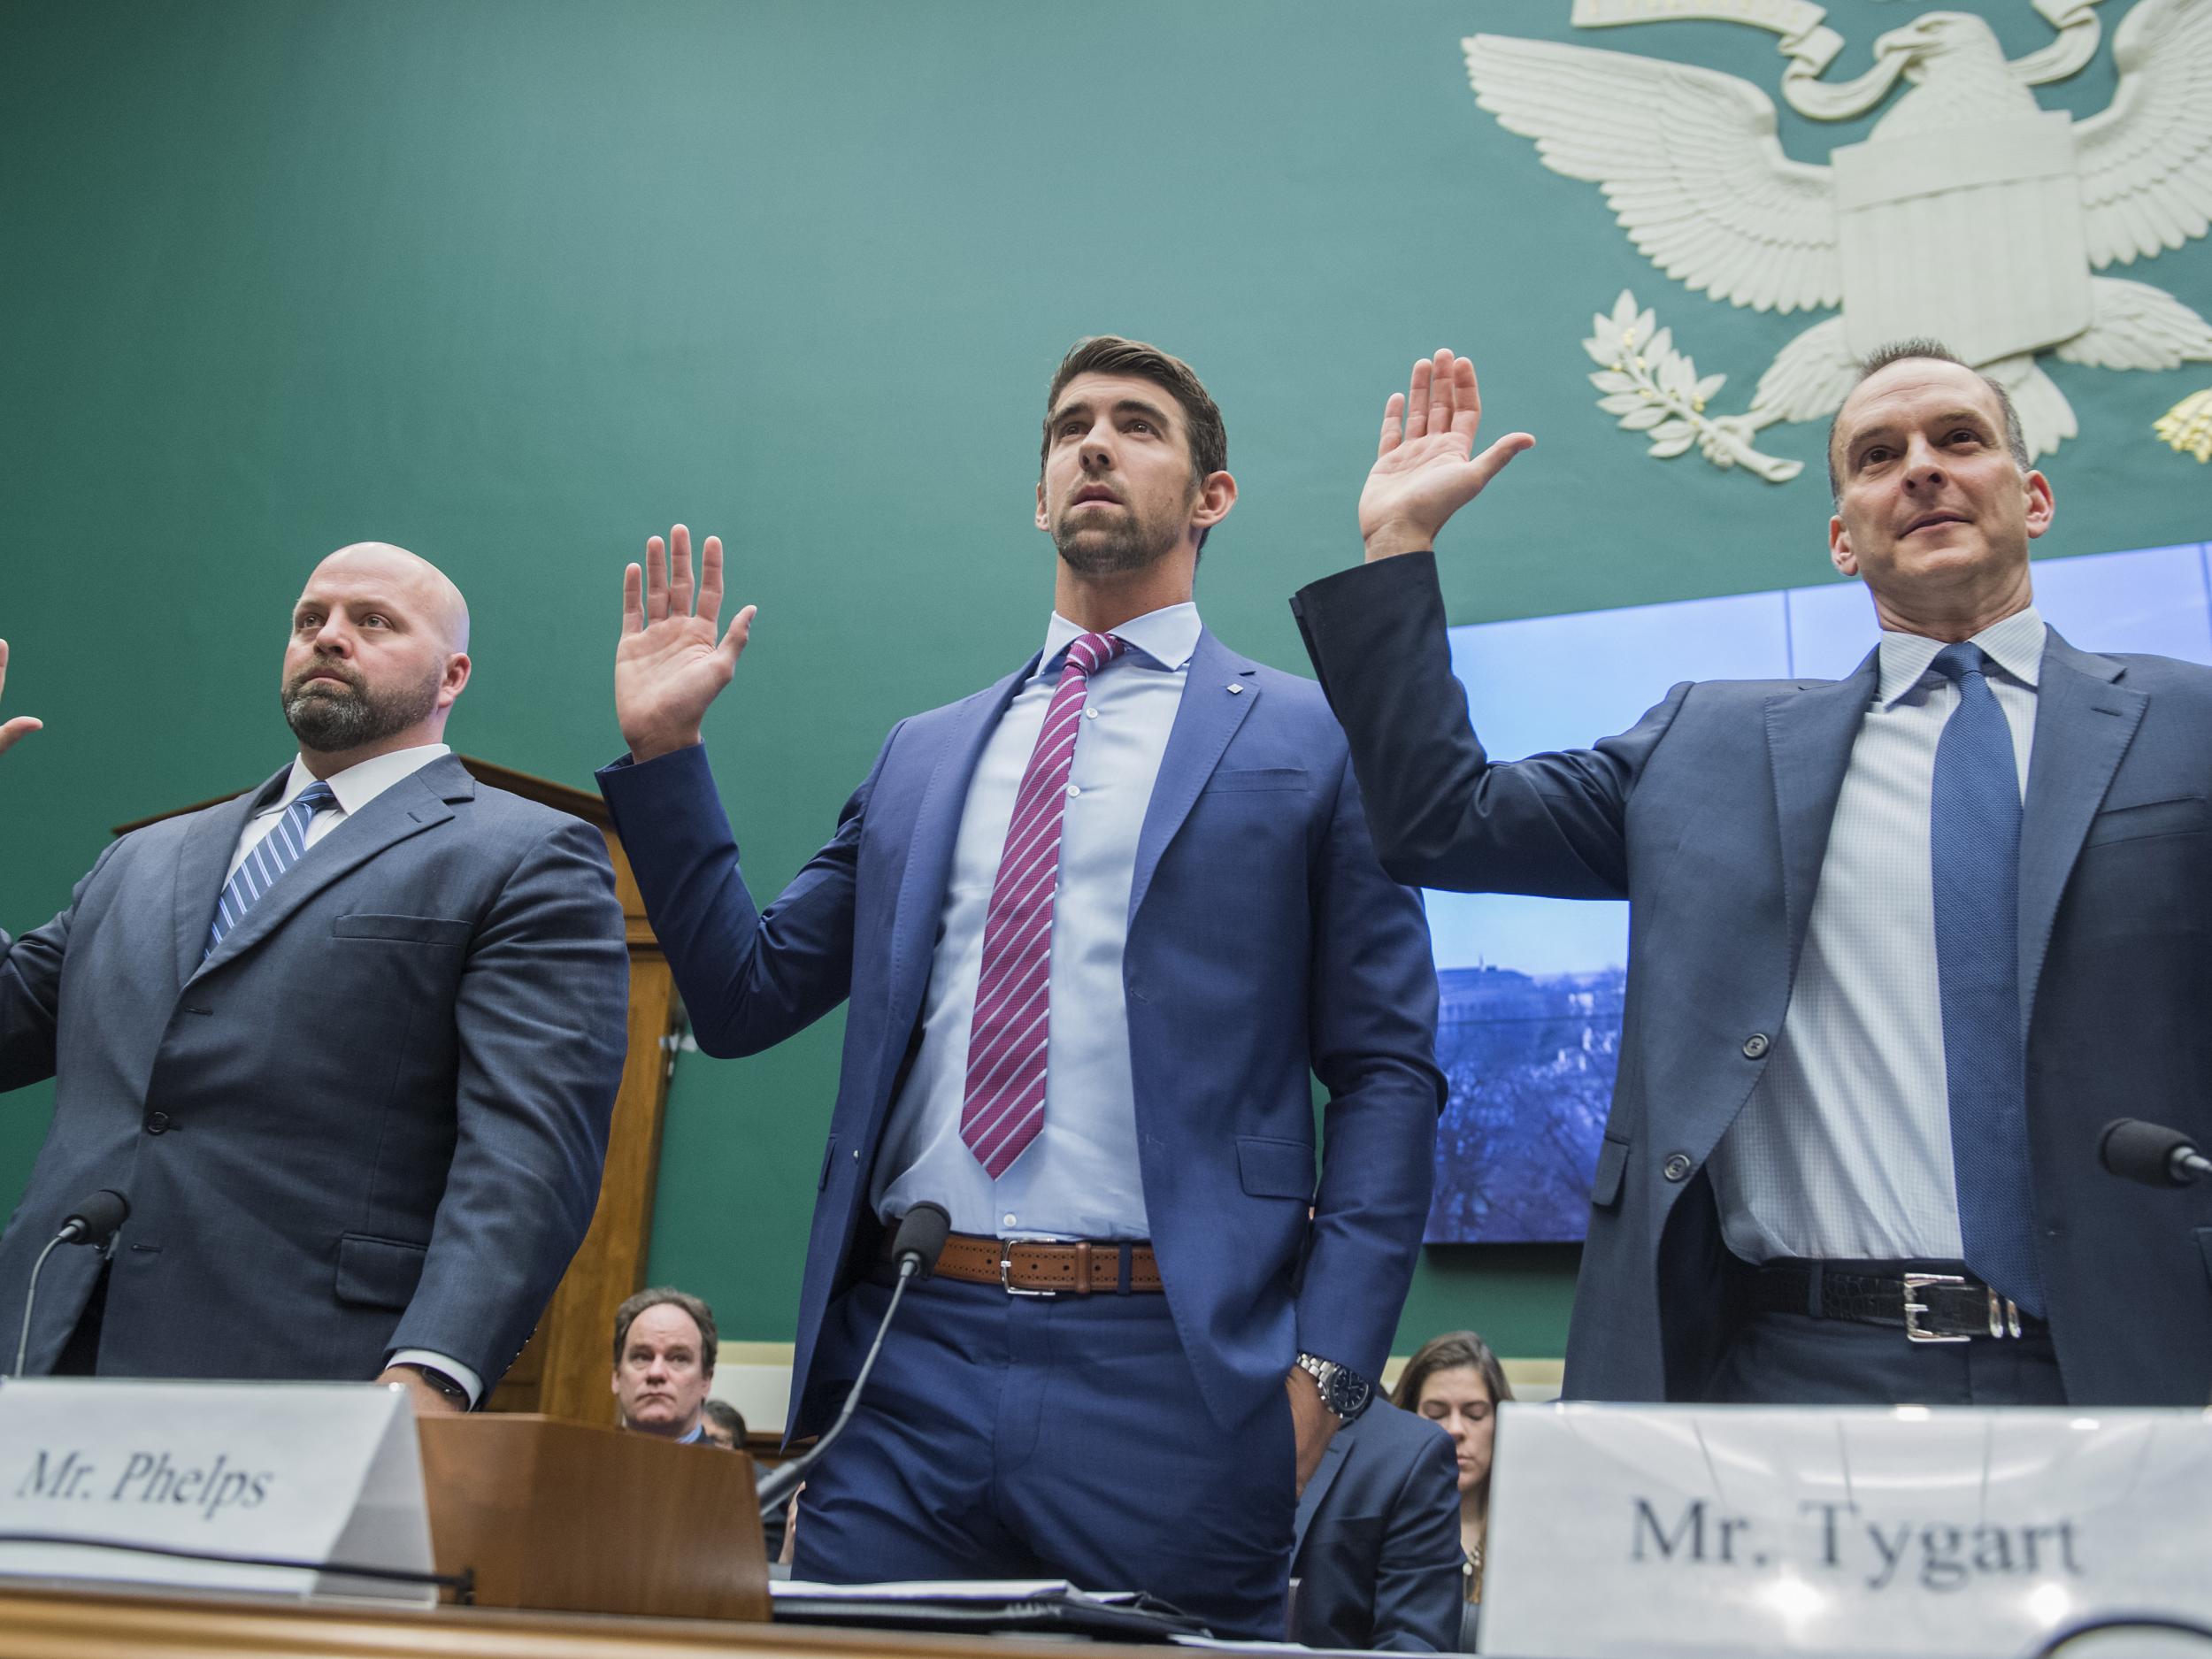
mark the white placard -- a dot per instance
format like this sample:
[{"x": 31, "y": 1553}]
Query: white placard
[
  {"x": 1643, "y": 1530},
  {"x": 317, "y": 1472}
]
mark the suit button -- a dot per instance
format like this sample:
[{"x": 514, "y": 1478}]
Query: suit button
[
  {"x": 156, "y": 1122},
  {"x": 1756, "y": 1045},
  {"x": 1676, "y": 1167}
]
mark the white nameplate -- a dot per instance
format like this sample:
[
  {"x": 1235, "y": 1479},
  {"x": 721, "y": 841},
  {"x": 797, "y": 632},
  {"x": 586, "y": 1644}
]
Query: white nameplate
[
  {"x": 312, "y": 1473},
  {"x": 1643, "y": 1530}
]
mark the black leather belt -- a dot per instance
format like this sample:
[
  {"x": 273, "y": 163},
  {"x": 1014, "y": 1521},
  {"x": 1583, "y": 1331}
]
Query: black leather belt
[{"x": 1932, "y": 1307}]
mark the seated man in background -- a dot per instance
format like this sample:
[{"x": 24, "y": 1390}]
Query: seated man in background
[
  {"x": 348, "y": 1043},
  {"x": 1377, "y": 1559},
  {"x": 723, "y": 1423},
  {"x": 664, "y": 1344}
]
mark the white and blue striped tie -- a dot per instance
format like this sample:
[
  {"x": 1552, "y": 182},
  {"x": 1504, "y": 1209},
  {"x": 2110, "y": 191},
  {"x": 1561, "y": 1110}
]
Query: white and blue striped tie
[{"x": 278, "y": 851}]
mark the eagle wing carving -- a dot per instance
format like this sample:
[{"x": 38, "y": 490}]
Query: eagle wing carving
[
  {"x": 1688, "y": 161},
  {"x": 2147, "y": 159}
]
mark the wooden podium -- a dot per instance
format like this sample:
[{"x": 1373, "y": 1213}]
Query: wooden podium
[{"x": 566, "y": 1518}]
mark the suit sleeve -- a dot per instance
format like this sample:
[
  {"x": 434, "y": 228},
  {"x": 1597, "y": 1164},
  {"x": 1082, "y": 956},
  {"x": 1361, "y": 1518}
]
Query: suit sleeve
[
  {"x": 542, "y": 1019},
  {"x": 1443, "y": 814},
  {"x": 30, "y": 990},
  {"x": 1419, "y": 1586},
  {"x": 750, "y": 978},
  {"x": 1372, "y": 1017}
]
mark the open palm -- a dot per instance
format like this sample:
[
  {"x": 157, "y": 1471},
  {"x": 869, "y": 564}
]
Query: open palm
[
  {"x": 23, "y": 725},
  {"x": 1425, "y": 468},
  {"x": 671, "y": 663}
]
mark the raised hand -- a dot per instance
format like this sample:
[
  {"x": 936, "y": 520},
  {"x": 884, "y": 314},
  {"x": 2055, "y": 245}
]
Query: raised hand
[
  {"x": 23, "y": 725},
  {"x": 1425, "y": 467},
  {"x": 670, "y": 665}
]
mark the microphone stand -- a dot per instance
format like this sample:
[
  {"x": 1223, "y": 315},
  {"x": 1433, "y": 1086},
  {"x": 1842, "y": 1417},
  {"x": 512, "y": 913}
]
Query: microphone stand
[{"x": 777, "y": 1485}]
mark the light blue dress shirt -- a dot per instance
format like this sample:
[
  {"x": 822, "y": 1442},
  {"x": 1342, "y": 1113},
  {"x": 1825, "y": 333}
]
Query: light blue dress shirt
[
  {"x": 1079, "y": 1178},
  {"x": 1843, "y": 1152}
]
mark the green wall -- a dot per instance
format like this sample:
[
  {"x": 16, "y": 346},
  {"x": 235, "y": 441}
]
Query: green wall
[{"x": 516, "y": 284}]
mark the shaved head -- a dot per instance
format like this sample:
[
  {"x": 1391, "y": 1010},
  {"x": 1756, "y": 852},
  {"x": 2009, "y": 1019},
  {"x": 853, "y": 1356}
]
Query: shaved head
[
  {"x": 441, "y": 602},
  {"x": 378, "y": 651}
]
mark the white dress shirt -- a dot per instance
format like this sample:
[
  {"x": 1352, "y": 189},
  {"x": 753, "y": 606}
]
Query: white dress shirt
[
  {"x": 1079, "y": 1178},
  {"x": 356, "y": 787},
  {"x": 1843, "y": 1151}
]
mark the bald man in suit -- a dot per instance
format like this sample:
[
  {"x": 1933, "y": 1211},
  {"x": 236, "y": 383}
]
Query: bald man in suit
[{"x": 349, "y": 1043}]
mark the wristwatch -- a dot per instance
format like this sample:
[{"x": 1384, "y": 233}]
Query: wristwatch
[
  {"x": 445, "y": 1385},
  {"x": 1344, "y": 1391}
]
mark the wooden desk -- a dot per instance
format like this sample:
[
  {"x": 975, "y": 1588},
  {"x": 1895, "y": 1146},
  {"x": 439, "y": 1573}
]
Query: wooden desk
[{"x": 39, "y": 1621}]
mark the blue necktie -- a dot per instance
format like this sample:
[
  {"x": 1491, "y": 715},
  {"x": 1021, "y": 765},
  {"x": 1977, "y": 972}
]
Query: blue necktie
[
  {"x": 276, "y": 852},
  {"x": 1974, "y": 846}
]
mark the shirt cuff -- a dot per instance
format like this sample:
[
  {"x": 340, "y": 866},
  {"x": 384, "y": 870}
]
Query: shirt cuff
[{"x": 452, "y": 1368}]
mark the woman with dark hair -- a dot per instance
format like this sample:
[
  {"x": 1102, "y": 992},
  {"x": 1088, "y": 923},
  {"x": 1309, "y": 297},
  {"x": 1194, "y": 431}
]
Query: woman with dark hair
[{"x": 1456, "y": 1382}]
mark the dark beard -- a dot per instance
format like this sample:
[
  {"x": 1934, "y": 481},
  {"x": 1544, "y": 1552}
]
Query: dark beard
[
  {"x": 331, "y": 722},
  {"x": 1130, "y": 545}
]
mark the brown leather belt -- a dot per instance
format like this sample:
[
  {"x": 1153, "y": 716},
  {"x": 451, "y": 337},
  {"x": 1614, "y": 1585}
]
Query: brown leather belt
[{"x": 1022, "y": 1268}]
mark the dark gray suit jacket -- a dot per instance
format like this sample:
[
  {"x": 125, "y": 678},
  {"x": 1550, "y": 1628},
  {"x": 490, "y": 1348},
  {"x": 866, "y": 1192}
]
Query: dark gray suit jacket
[
  {"x": 375, "y": 1118},
  {"x": 1711, "y": 816},
  {"x": 1377, "y": 1555}
]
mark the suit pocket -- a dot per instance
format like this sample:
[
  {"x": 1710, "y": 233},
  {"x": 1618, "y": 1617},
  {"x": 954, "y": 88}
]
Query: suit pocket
[
  {"x": 1269, "y": 1168},
  {"x": 378, "y": 1272},
  {"x": 1241, "y": 778},
  {"x": 2142, "y": 819},
  {"x": 1605, "y": 1189},
  {"x": 413, "y": 930}
]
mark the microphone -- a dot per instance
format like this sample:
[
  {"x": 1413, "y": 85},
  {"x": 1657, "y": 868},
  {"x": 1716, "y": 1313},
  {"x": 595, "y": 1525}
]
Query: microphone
[
  {"x": 93, "y": 1222},
  {"x": 2150, "y": 1153},
  {"x": 915, "y": 1249}
]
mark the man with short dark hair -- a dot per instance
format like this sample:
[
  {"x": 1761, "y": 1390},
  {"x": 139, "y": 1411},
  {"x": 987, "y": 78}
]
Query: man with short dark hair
[
  {"x": 1900, "y": 944},
  {"x": 1099, "y": 926},
  {"x": 723, "y": 1423},
  {"x": 664, "y": 1345},
  {"x": 348, "y": 1042}
]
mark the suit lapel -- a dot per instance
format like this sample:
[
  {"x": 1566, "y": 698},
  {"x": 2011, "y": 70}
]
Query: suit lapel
[
  {"x": 1317, "y": 1488},
  {"x": 1219, "y": 690},
  {"x": 2083, "y": 722},
  {"x": 931, "y": 842},
  {"x": 1809, "y": 735},
  {"x": 413, "y": 804},
  {"x": 203, "y": 865}
]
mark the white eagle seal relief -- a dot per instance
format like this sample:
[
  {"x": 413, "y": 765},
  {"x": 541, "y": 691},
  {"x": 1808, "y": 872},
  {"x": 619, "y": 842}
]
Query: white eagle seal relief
[{"x": 1969, "y": 213}]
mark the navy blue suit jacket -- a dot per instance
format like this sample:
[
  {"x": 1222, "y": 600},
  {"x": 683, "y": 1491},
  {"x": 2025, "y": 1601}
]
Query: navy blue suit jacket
[
  {"x": 375, "y": 1117},
  {"x": 1377, "y": 1557},
  {"x": 1711, "y": 816},
  {"x": 1265, "y": 944}
]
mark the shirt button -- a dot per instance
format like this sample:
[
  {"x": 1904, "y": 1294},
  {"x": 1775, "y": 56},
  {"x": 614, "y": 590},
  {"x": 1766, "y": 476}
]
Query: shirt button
[
  {"x": 1676, "y": 1167},
  {"x": 1073, "y": 790},
  {"x": 1756, "y": 1045},
  {"x": 1090, "y": 714},
  {"x": 1007, "y": 1220},
  {"x": 156, "y": 1122}
]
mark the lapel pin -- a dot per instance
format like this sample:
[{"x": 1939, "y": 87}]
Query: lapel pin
[{"x": 1236, "y": 686}]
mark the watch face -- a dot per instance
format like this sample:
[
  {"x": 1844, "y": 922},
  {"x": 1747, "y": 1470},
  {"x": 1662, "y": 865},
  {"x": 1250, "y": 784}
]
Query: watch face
[{"x": 1349, "y": 1394}]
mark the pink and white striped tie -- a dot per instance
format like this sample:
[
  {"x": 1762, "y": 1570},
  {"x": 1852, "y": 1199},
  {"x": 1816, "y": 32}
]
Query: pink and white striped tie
[{"x": 1004, "y": 1106}]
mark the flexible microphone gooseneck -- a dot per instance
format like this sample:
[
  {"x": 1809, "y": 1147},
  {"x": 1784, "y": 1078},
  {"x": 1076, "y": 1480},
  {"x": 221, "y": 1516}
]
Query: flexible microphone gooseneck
[
  {"x": 93, "y": 1222},
  {"x": 2150, "y": 1153},
  {"x": 915, "y": 1249}
]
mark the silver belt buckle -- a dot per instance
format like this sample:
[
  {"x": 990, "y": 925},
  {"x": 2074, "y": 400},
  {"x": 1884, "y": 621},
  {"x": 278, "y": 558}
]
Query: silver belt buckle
[
  {"x": 2004, "y": 1318},
  {"x": 1914, "y": 1308},
  {"x": 1006, "y": 1273}
]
